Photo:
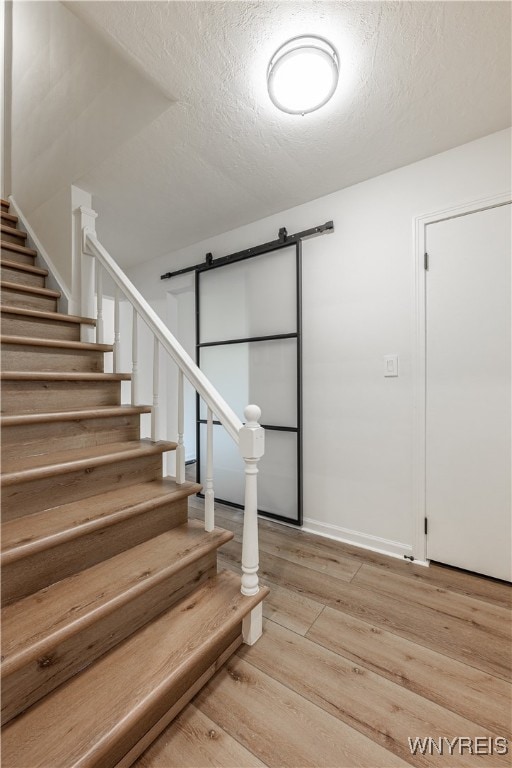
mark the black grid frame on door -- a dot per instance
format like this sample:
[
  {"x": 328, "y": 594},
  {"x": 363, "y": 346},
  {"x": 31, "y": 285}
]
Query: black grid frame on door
[{"x": 296, "y": 334}]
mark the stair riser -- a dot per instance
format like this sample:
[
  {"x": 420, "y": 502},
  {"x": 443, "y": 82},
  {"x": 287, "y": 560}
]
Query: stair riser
[
  {"x": 28, "y": 300},
  {"x": 8, "y": 220},
  {"x": 31, "y": 574},
  {"x": 11, "y": 238},
  {"x": 34, "y": 496},
  {"x": 11, "y": 275},
  {"x": 47, "y": 437},
  {"x": 21, "y": 258},
  {"x": 33, "y": 681},
  {"x": 5, "y": 207},
  {"x": 26, "y": 358},
  {"x": 42, "y": 396},
  {"x": 18, "y": 325}
]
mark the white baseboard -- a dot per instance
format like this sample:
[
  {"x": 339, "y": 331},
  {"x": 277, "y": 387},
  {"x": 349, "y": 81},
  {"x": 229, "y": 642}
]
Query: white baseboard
[{"x": 357, "y": 539}]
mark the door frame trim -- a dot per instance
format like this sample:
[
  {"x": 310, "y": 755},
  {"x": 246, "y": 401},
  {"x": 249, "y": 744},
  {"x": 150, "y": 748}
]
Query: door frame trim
[{"x": 419, "y": 541}]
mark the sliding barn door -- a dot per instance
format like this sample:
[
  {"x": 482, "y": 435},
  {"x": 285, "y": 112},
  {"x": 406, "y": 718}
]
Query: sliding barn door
[{"x": 249, "y": 346}]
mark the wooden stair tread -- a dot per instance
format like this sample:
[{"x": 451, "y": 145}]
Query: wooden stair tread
[
  {"x": 31, "y": 627},
  {"x": 26, "y": 468},
  {"x": 84, "y": 660},
  {"x": 23, "y": 267},
  {"x": 42, "y": 530},
  {"x": 62, "y": 376},
  {"x": 4, "y": 202},
  {"x": 13, "y": 231},
  {"x": 98, "y": 412},
  {"x": 143, "y": 670},
  {"x": 7, "y": 246},
  {"x": 7, "y": 285},
  {"x": 32, "y": 341},
  {"x": 44, "y": 315}
]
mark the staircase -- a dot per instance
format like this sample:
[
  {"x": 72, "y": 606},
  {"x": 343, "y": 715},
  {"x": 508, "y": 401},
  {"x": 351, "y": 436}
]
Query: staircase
[{"x": 114, "y": 614}]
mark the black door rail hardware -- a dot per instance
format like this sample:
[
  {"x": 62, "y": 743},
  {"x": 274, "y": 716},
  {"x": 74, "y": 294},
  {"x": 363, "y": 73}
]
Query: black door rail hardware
[{"x": 283, "y": 238}]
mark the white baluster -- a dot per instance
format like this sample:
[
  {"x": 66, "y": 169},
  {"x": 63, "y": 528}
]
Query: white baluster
[
  {"x": 117, "y": 333},
  {"x": 180, "y": 450},
  {"x": 155, "y": 413},
  {"x": 100, "y": 335},
  {"x": 135, "y": 358},
  {"x": 209, "y": 496},
  {"x": 83, "y": 280},
  {"x": 252, "y": 448}
]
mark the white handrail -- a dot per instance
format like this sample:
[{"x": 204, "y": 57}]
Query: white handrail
[
  {"x": 249, "y": 437},
  {"x": 170, "y": 344}
]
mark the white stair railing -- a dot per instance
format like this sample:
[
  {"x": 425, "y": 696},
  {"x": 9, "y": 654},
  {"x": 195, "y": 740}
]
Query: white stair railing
[{"x": 249, "y": 437}]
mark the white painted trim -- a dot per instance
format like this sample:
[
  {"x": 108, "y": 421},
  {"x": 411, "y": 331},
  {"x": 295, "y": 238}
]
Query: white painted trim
[
  {"x": 419, "y": 546},
  {"x": 44, "y": 258},
  {"x": 358, "y": 539},
  {"x": 87, "y": 211}
]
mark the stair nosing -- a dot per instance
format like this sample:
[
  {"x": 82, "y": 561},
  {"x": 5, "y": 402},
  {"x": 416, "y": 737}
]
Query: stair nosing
[
  {"x": 23, "y": 267},
  {"x": 62, "y": 376},
  {"x": 144, "y": 448},
  {"x": 5, "y": 245},
  {"x": 193, "y": 552},
  {"x": 132, "y": 711},
  {"x": 46, "y": 315},
  {"x": 6, "y": 229},
  {"x": 153, "y": 687},
  {"x": 100, "y": 412},
  {"x": 34, "y": 341},
  {"x": 124, "y": 726},
  {"x": 28, "y": 548},
  {"x": 46, "y": 292}
]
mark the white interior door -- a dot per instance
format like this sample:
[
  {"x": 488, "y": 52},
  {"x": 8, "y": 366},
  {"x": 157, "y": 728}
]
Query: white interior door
[{"x": 468, "y": 408}]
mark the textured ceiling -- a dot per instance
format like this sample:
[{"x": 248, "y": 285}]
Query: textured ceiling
[{"x": 417, "y": 78}]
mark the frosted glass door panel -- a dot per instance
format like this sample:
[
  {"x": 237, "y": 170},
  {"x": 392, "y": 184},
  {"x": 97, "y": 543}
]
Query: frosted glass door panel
[
  {"x": 227, "y": 367},
  {"x": 277, "y": 478},
  {"x": 228, "y": 465},
  {"x": 262, "y": 372},
  {"x": 255, "y": 297}
]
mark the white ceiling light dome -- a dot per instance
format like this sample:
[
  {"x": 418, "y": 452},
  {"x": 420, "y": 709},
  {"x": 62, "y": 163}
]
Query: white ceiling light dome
[{"x": 303, "y": 74}]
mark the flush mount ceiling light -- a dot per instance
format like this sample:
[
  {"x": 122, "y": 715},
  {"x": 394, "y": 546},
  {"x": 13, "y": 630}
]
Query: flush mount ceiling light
[{"x": 303, "y": 74}]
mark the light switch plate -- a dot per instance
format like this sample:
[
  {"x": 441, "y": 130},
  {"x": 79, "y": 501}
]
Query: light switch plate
[{"x": 390, "y": 365}]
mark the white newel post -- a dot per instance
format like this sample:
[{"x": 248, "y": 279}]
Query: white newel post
[
  {"x": 155, "y": 411},
  {"x": 252, "y": 448},
  {"x": 87, "y": 220},
  {"x": 180, "y": 450},
  {"x": 135, "y": 358},
  {"x": 117, "y": 332},
  {"x": 209, "y": 495},
  {"x": 100, "y": 335}
]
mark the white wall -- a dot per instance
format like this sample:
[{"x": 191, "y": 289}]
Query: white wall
[
  {"x": 5, "y": 98},
  {"x": 358, "y": 307},
  {"x": 74, "y": 101}
]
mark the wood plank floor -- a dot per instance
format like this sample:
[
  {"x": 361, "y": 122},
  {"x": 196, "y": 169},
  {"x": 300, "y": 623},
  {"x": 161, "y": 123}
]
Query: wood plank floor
[{"x": 360, "y": 652}]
